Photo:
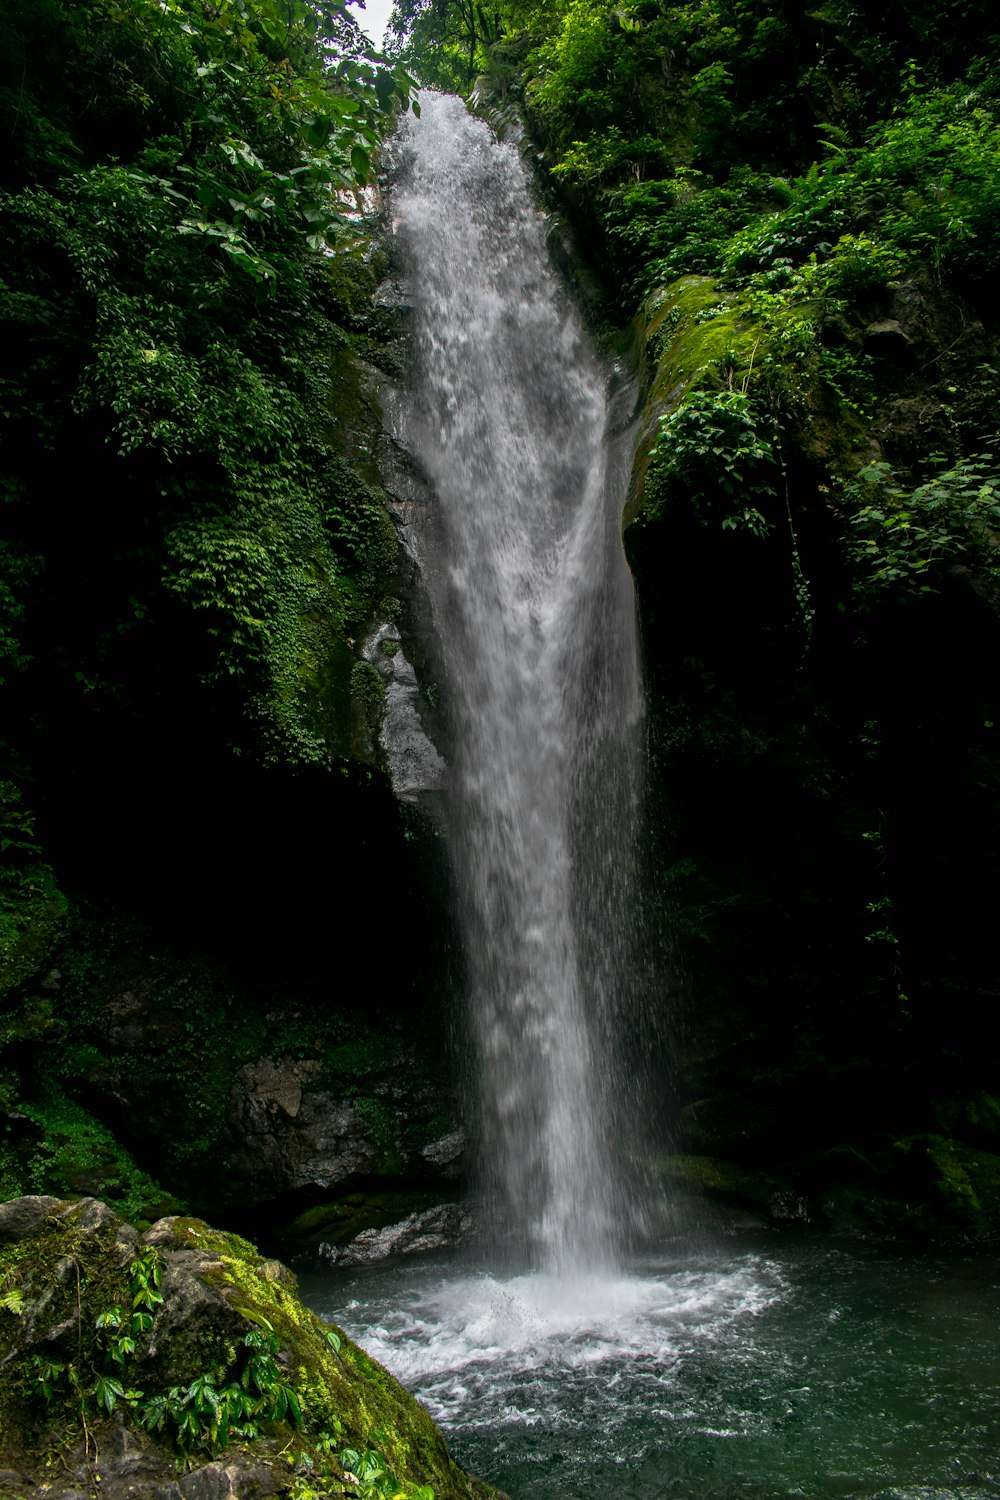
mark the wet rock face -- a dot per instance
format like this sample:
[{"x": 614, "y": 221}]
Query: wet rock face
[
  {"x": 288, "y": 1131},
  {"x": 440, "y": 1228},
  {"x": 415, "y": 766}
]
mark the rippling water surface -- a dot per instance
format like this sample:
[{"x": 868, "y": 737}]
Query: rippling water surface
[{"x": 805, "y": 1368}]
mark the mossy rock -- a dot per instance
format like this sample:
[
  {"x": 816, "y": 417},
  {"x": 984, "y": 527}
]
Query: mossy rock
[
  {"x": 965, "y": 1182},
  {"x": 709, "y": 1174},
  {"x": 65, "y": 1267},
  {"x": 695, "y": 334},
  {"x": 339, "y": 1220}
]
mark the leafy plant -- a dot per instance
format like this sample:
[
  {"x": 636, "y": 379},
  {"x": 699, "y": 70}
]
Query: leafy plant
[
  {"x": 902, "y": 541},
  {"x": 202, "y": 1414},
  {"x": 717, "y": 453},
  {"x": 95, "y": 1385},
  {"x": 206, "y": 1414},
  {"x": 12, "y": 1300},
  {"x": 374, "y": 1479}
]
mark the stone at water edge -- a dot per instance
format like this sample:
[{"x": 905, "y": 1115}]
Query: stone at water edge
[
  {"x": 440, "y": 1228},
  {"x": 216, "y": 1289}
]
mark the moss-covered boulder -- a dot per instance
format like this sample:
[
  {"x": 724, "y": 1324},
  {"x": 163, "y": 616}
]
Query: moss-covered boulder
[{"x": 180, "y": 1365}]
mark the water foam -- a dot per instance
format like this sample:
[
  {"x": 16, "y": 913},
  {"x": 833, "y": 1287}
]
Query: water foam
[{"x": 473, "y": 1346}]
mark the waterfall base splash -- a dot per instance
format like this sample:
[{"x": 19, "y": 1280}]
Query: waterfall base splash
[{"x": 752, "y": 1370}]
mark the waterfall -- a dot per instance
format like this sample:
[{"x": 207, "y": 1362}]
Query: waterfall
[{"x": 508, "y": 414}]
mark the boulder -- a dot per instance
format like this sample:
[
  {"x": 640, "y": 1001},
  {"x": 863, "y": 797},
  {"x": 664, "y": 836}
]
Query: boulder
[
  {"x": 23, "y": 1217},
  {"x": 73, "y": 1273},
  {"x": 287, "y": 1127},
  {"x": 439, "y": 1228}
]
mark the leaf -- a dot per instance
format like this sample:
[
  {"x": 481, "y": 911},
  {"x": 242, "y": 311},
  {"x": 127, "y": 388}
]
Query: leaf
[
  {"x": 202, "y": 1396},
  {"x": 286, "y": 1403},
  {"x": 317, "y": 130},
  {"x": 361, "y": 163},
  {"x": 107, "y": 1391},
  {"x": 256, "y": 1317}
]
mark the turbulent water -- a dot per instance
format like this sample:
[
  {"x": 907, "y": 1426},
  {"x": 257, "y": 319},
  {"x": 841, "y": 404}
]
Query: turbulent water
[
  {"x": 826, "y": 1370},
  {"x": 508, "y": 415}
]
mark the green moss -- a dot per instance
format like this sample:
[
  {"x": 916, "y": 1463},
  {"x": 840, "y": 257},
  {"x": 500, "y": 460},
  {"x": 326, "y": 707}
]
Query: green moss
[
  {"x": 756, "y": 340},
  {"x": 967, "y": 1180},
  {"x": 341, "y": 1391},
  {"x": 389, "y": 1163},
  {"x": 368, "y": 692},
  {"x": 708, "y": 1173},
  {"x": 692, "y": 330},
  {"x": 378, "y": 1119},
  {"x": 690, "y": 335},
  {"x": 417, "y": 1136},
  {"x": 343, "y": 1394},
  {"x": 132, "y": 1018},
  {"x": 74, "y": 1153},
  {"x": 366, "y": 1054}
]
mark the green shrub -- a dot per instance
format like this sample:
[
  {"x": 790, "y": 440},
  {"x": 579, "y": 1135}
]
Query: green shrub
[
  {"x": 716, "y": 452},
  {"x": 901, "y": 542}
]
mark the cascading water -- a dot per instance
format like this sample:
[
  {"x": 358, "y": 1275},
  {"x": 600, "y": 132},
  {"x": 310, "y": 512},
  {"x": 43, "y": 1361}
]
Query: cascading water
[
  {"x": 720, "y": 1371},
  {"x": 508, "y": 415}
]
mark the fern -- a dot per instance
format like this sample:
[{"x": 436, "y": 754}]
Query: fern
[{"x": 12, "y": 1301}]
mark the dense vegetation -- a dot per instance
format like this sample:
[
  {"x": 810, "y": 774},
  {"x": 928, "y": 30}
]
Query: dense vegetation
[
  {"x": 172, "y": 323},
  {"x": 194, "y": 541}
]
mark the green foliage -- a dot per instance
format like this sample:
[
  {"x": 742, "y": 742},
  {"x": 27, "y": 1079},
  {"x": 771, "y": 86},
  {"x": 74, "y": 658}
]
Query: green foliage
[
  {"x": 75, "y": 1153},
  {"x": 32, "y": 908},
  {"x": 276, "y": 1373},
  {"x": 936, "y": 166},
  {"x": 716, "y": 452},
  {"x": 573, "y": 60},
  {"x": 364, "y": 1470},
  {"x": 374, "y": 1480},
  {"x": 680, "y": 225},
  {"x": 691, "y": 124},
  {"x": 12, "y": 1301},
  {"x": 171, "y": 308},
  {"x": 16, "y": 574},
  {"x": 902, "y": 542},
  {"x": 91, "y": 1383},
  {"x": 204, "y": 1414},
  {"x": 368, "y": 690},
  {"x": 446, "y": 42},
  {"x": 271, "y": 119},
  {"x": 17, "y": 826}
]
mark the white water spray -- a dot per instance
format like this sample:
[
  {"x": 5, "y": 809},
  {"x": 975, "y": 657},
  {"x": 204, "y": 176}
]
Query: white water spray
[{"x": 508, "y": 415}]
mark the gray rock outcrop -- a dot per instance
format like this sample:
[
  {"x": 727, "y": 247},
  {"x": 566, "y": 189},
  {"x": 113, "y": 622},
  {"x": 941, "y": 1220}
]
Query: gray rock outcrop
[{"x": 439, "y": 1228}]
